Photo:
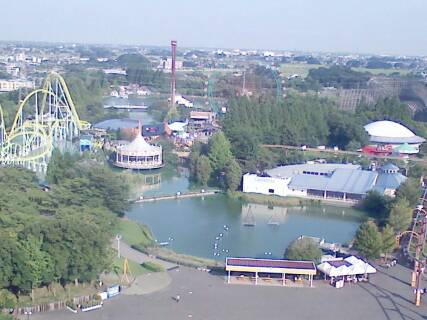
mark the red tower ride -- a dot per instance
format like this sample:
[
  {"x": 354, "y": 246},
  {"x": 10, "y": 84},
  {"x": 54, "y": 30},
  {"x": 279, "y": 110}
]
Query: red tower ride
[{"x": 173, "y": 79}]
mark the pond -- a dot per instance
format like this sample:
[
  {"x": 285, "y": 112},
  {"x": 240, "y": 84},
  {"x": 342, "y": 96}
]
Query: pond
[
  {"x": 134, "y": 118},
  {"x": 214, "y": 226}
]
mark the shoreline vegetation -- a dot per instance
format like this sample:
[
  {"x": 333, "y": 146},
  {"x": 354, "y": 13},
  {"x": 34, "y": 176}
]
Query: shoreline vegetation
[{"x": 273, "y": 200}]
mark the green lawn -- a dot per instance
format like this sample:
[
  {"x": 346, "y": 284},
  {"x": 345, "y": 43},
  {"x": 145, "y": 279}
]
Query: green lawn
[
  {"x": 302, "y": 69},
  {"x": 134, "y": 233},
  {"x": 135, "y": 268}
]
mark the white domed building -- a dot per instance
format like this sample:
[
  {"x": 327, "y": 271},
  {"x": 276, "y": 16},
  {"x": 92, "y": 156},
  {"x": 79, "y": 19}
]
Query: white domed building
[
  {"x": 392, "y": 134},
  {"x": 139, "y": 155}
]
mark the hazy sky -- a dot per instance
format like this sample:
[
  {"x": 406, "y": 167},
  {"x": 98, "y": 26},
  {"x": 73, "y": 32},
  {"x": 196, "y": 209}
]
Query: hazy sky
[{"x": 367, "y": 26}]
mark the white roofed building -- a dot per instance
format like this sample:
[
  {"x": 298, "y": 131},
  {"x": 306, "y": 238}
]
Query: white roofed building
[
  {"x": 391, "y": 133},
  {"x": 139, "y": 155}
]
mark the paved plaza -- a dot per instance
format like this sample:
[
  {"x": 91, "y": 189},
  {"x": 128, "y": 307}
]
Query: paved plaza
[{"x": 208, "y": 297}]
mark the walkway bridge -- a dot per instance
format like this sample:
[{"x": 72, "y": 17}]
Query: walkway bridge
[
  {"x": 44, "y": 119},
  {"x": 177, "y": 196}
]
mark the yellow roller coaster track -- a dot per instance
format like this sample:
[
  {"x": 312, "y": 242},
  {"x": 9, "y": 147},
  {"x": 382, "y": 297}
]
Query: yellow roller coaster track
[{"x": 45, "y": 117}]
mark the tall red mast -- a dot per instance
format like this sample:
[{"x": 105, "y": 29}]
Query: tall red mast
[{"x": 173, "y": 79}]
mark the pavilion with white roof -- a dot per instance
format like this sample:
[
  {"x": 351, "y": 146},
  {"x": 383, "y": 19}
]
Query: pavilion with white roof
[{"x": 139, "y": 155}]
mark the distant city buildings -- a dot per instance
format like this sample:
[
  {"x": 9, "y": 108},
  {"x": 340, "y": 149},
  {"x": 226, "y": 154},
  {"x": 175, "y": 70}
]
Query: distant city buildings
[
  {"x": 166, "y": 64},
  {"x": 12, "y": 85}
]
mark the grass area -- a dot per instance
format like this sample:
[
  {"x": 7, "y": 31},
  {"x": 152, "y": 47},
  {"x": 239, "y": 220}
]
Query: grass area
[
  {"x": 302, "y": 69},
  {"x": 134, "y": 233},
  {"x": 135, "y": 268},
  {"x": 274, "y": 200},
  {"x": 386, "y": 72},
  {"x": 181, "y": 259}
]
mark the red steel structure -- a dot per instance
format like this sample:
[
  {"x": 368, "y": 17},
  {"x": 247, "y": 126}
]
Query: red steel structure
[{"x": 173, "y": 77}]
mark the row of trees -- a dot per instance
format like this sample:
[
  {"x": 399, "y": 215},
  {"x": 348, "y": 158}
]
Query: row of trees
[
  {"x": 214, "y": 164},
  {"x": 60, "y": 234},
  {"x": 295, "y": 121}
]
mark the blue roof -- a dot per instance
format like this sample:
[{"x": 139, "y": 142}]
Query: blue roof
[
  {"x": 342, "y": 180},
  {"x": 388, "y": 181}
]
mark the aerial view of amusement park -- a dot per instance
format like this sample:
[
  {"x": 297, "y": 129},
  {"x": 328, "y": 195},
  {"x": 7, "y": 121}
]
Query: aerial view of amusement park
[{"x": 237, "y": 160}]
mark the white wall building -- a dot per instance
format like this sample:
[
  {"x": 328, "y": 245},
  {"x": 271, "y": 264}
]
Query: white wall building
[
  {"x": 12, "y": 85},
  {"x": 346, "y": 182}
]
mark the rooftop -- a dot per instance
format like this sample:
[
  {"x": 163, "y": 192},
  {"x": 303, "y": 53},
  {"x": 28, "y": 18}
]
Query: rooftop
[
  {"x": 292, "y": 170},
  {"x": 342, "y": 180}
]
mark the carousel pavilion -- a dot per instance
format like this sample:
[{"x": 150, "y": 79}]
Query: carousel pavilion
[{"x": 139, "y": 155}]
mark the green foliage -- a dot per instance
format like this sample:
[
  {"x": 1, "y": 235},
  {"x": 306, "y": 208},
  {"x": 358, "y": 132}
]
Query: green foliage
[
  {"x": 339, "y": 77},
  {"x": 87, "y": 89},
  {"x": 377, "y": 205},
  {"x": 303, "y": 249},
  {"x": 400, "y": 216},
  {"x": 388, "y": 239},
  {"x": 202, "y": 170},
  {"x": 7, "y": 299},
  {"x": 61, "y": 235},
  {"x": 152, "y": 266},
  {"x": 368, "y": 240},
  {"x": 219, "y": 152},
  {"x": 298, "y": 120},
  {"x": 215, "y": 163},
  {"x": 409, "y": 190},
  {"x": 233, "y": 175}
]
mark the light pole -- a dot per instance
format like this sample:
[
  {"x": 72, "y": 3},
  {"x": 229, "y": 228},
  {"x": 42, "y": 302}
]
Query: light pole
[{"x": 118, "y": 238}]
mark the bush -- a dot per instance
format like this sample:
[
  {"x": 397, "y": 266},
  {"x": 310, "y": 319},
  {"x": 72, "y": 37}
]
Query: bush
[
  {"x": 152, "y": 266},
  {"x": 7, "y": 299},
  {"x": 303, "y": 249}
]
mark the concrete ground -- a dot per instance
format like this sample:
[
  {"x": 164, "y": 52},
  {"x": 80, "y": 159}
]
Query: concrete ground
[{"x": 208, "y": 297}]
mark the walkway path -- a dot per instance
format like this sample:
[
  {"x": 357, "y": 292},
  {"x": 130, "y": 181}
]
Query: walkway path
[{"x": 127, "y": 252}]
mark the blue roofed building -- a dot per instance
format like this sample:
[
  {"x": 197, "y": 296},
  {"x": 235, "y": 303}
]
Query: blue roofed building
[{"x": 346, "y": 182}]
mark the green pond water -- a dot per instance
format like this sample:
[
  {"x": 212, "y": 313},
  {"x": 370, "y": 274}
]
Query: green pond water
[{"x": 213, "y": 226}]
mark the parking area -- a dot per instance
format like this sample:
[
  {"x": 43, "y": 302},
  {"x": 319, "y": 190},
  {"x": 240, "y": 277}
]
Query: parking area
[{"x": 208, "y": 297}]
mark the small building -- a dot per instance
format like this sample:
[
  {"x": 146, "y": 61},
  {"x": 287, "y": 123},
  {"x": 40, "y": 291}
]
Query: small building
[
  {"x": 345, "y": 182},
  {"x": 139, "y": 155},
  {"x": 85, "y": 143},
  {"x": 202, "y": 116}
]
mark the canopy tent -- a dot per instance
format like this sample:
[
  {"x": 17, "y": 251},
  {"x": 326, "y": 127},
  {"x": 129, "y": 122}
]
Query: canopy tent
[{"x": 349, "y": 266}]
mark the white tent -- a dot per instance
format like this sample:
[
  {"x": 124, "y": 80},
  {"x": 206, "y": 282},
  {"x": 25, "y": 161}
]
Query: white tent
[{"x": 346, "y": 267}]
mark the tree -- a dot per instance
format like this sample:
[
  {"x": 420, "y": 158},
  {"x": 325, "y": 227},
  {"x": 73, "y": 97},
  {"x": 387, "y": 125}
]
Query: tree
[
  {"x": 377, "y": 205},
  {"x": 409, "y": 190},
  {"x": 368, "y": 240},
  {"x": 203, "y": 170},
  {"x": 219, "y": 152},
  {"x": 7, "y": 299},
  {"x": 233, "y": 175},
  {"x": 303, "y": 249},
  {"x": 400, "y": 216},
  {"x": 388, "y": 239}
]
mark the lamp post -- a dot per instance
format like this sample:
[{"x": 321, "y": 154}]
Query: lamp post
[{"x": 118, "y": 238}]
